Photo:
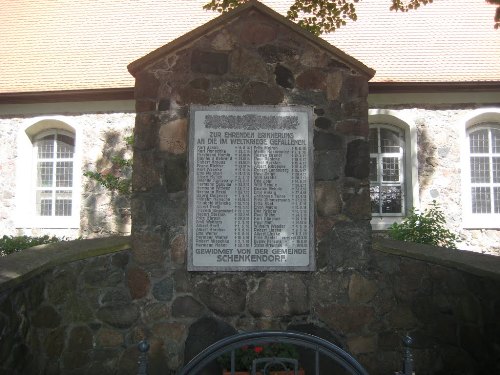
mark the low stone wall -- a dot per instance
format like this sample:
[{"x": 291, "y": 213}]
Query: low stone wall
[
  {"x": 65, "y": 309},
  {"x": 72, "y": 308},
  {"x": 447, "y": 300}
]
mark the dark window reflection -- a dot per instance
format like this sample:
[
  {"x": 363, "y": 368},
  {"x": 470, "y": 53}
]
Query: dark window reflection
[{"x": 386, "y": 170}]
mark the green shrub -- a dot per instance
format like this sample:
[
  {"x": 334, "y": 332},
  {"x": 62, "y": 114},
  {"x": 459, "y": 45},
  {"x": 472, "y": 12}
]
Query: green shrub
[
  {"x": 118, "y": 179},
  {"x": 110, "y": 182},
  {"x": 12, "y": 244},
  {"x": 428, "y": 227}
]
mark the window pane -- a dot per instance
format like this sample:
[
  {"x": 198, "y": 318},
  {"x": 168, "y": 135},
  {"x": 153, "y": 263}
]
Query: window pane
[
  {"x": 373, "y": 140},
  {"x": 64, "y": 174},
  {"x": 63, "y": 203},
  {"x": 44, "y": 202},
  {"x": 375, "y": 199},
  {"x": 45, "y": 147},
  {"x": 390, "y": 169},
  {"x": 53, "y": 173},
  {"x": 386, "y": 170},
  {"x": 495, "y": 166},
  {"x": 495, "y": 140},
  {"x": 496, "y": 199},
  {"x": 65, "y": 146},
  {"x": 44, "y": 174},
  {"x": 389, "y": 141},
  {"x": 479, "y": 169},
  {"x": 386, "y": 199},
  {"x": 373, "y": 169},
  {"x": 481, "y": 200},
  {"x": 391, "y": 199},
  {"x": 479, "y": 141}
]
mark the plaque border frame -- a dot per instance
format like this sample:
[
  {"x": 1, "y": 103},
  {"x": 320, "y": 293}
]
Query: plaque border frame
[{"x": 309, "y": 110}]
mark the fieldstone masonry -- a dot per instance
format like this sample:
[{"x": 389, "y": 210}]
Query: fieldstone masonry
[
  {"x": 87, "y": 316},
  {"x": 251, "y": 56}
]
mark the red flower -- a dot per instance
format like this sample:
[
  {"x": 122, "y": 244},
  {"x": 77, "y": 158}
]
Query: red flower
[
  {"x": 258, "y": 349},
  {"x": 244, "y": 347}
]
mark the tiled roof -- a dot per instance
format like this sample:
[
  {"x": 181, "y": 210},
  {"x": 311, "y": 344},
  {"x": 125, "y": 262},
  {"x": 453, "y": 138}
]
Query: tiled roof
[
  {"x": 446, "y": 41},
  {"x": 72, "y": 45}
]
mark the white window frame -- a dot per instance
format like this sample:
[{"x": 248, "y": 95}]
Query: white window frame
[
  {"x": 409, "y": 168},
  {"x": 478, "y": 119},
  {"x": 26, "y": 215},
  {"x": 53, "y": 160}
]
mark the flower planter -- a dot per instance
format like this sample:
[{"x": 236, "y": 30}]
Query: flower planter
[{"x": 300, "y": 372}]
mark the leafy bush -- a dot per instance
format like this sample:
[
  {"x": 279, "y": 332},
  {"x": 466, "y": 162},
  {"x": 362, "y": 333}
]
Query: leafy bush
[
  {"x": 110, "y": 182},
  {"x": 428, "y": 227},
  {"x": 12, "y": 244},
  {"x": 117, "y": 179}
]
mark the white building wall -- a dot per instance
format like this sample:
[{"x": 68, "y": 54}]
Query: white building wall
[
  {"x": 442, "y": 144},
  {"x": 8, "y": 155},
  {"x": 99, "y": 135}
]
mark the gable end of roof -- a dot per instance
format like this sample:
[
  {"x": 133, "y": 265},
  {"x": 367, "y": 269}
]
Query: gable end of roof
[{"x": 219, "y": 22}]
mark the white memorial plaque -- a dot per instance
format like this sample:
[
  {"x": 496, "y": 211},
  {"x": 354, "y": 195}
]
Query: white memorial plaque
[{"x": 250, "y": 189}]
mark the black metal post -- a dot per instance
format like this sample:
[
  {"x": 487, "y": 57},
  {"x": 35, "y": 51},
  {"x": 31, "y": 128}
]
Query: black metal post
[
  {"x": 143, "y": 347},
  {"x": 407, "y": 357}
]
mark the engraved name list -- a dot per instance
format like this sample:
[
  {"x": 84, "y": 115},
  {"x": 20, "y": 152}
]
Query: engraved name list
[{"x": 250, "y": 183}]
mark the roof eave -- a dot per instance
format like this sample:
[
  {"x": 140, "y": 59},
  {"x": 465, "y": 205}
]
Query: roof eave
[
  {"x": 124, "y": 93},
  {"x": 433, "y": 87},
  {"x": 220, "y": 21},
  {"x": 127, "y": 93}
]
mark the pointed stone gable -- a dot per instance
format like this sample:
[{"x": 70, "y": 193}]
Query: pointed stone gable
[{"x": 252, "y": 25}]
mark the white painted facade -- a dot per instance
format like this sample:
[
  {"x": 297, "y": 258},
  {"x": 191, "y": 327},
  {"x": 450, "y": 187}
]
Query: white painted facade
[
  {"x": 437, "y": 159},
  {"x": 98, "y": 128}
]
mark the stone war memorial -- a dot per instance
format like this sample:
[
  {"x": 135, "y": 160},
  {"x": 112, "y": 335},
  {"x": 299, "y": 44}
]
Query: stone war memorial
[
  {"x": 251, "y": 206},
  {"x": 250, "y": 213}
]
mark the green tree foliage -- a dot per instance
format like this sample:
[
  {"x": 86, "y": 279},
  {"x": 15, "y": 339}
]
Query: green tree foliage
[
  {"x": 428, "y": 227},
  {"x": 320, "y": 16},
  {"x": 117, "y": 178},
  {"x": 13, "y": 244},
  {"x": 325, "y": 16},
  {"x": 497, "y": 12}
]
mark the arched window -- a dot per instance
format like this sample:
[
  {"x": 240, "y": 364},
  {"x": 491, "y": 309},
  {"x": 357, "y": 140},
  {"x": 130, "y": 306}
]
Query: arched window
[
  {"x": 480, "y": 159},
  {"x": 48, "y": 183},
  {"x": 393, "y": 166},
  {"x": 387, "y": 170},
  {"x": 484, "y": 167},
  {"x": 53, "y": 154}
]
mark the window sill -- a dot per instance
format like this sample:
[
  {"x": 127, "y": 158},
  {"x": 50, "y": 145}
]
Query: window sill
[
  {"x": 384, "y": 222},
  {"x": 488, "y": 221},
  {"x": 40, "y": 222}
]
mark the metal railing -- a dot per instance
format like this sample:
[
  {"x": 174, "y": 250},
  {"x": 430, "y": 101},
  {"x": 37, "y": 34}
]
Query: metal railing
[{"x": 317, "y": 345}]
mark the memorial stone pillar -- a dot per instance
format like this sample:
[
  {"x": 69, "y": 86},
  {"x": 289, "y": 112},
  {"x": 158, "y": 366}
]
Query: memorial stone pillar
[{"x": 250, "y": 204}]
